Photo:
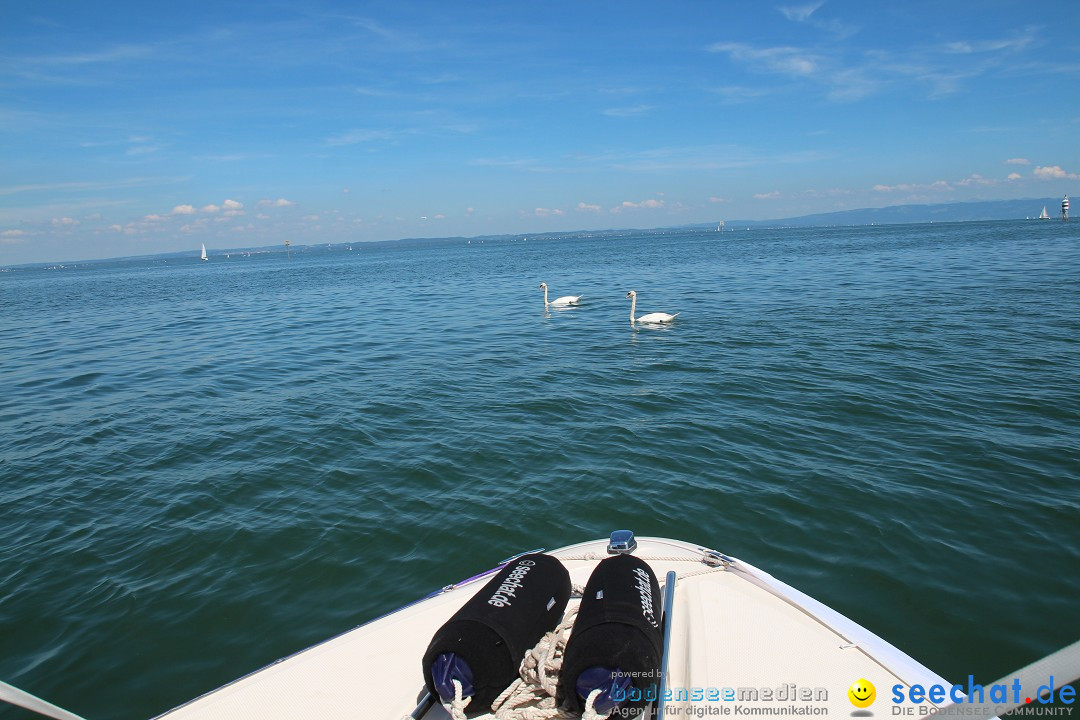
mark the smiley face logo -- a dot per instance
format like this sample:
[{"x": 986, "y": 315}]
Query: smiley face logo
[{"x": 862, "y": 693}]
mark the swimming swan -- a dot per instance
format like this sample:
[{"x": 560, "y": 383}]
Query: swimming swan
[
  {"x": 560, "y": 302},
  {"x": 651, "y": 317}
]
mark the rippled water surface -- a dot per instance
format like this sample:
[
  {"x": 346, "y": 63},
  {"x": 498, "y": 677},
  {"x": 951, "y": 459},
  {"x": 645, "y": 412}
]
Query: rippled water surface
[{"x": 207, "y": 466}]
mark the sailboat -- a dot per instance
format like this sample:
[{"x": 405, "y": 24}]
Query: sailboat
[
  {"x": 1045, "y": 215},
  {"x": 203, "y": 256}
]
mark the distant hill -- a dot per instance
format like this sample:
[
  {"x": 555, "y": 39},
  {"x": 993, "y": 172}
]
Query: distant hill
[{"x": 898, "y": 214}]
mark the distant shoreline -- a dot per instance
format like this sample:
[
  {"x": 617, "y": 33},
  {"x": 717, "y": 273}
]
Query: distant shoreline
[{"x": 978, "y": 211}]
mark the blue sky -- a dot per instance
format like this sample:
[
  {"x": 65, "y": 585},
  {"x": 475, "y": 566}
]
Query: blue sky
[{"x": 132, "y": 127}]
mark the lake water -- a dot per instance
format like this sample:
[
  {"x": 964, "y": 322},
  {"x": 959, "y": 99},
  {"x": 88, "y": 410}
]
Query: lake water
[{"x": 207, "y": 466}]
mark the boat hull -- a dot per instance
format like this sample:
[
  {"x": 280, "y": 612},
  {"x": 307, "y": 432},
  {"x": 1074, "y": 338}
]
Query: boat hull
[{"x": 739, "y": 637}]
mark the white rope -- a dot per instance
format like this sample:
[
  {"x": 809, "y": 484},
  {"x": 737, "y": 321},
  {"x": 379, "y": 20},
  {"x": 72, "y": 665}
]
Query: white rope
[{"x": 532, "y": 695}]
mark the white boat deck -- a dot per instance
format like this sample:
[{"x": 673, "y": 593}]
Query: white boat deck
[{"x": 736, "y": 633}]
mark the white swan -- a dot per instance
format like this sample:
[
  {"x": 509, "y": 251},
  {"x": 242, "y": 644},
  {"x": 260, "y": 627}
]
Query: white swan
[
  {"x": 560, "y": 302},
  {"x": 651, "y": 317}
]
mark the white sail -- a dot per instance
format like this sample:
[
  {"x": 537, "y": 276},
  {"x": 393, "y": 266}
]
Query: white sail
[
  {"x": 203, "y": 256},
  {"x": 1045, "y": 215}
]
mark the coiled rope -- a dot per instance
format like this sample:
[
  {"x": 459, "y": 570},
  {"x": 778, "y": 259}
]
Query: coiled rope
[{"x": 532, "y": 695}]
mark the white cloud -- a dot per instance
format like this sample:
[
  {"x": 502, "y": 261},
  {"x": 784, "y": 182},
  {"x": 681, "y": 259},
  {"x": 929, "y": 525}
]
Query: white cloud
[
  {"x": 64, "y": 222},
  {"x": 210, "y": 208},
  {"x": 1053, "y": 172},
  {"x": 715, "y": 199},
  {"x": 651, "y": 204},
  {"x": 1015, "y": 176},
  {"x": 183, "y": 210},
  {"x": 1017, "y": 161},
  {"x": 768, "y": 196},
  {"x": 544, "y": 212},
  {"x": 585, "y": 207},
  {"x": 10, "y": 237},
  {"x": 280, "y": 202},
  {"x": 154, "y": 217},
  {"x": 233, "y": 208}
]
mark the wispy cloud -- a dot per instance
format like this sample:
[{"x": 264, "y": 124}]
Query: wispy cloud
[
  {"x": 976, "y": 180},
  {"x": 530, "y": 164},
  {"x": 88, "y": 68},
  {"x": 1014, "y": 43},
  {"x": 95, "y": 185},
  {"x": 633, "y": 111},
  {"x": 692, "y": 157},
  {"x": 1018, "y": 161},
  {"x": 846, "y": 82},
  {"x": 280, "y": 202},
  {"x": 807, "y": 14},
  {"x": 784, "y": 60},
  {"x": 354, "y": 137},
  {"x": 376, "y": 28},
  {"x": 851, "y": 73},
  {"x": 116, "y": 53},
  {"x": 938, "y": 186},
  {"x": 800, "y": 13},
  {"x": 735, "y": 94}
]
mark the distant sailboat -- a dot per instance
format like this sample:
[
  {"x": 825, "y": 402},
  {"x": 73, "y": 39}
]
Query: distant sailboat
[
  {"x": 1045, "y": 215},
  {"x": 203, "y": 256}
]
